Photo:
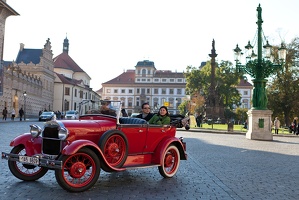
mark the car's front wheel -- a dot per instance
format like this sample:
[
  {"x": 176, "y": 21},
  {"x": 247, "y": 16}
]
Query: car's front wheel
[
  {"x": 79, "y": 172},
  {"x": 171, "y": 162},
  {"x": 22, "y": 171}
]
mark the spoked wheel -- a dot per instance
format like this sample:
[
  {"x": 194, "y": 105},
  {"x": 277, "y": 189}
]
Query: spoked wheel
[
  {"x": 22, "y": 171},
  {"x": 114, "y": 146},
  {"x": 171, "y": 162},
  {"x": 79, "y": 171}
]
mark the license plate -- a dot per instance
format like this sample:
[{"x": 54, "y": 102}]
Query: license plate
[{"x": 29, "y": 160}]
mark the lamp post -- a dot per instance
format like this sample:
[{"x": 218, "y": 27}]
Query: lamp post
[
  {"x": 25, "y": 94},
  {"x": 259, "y": 68}
]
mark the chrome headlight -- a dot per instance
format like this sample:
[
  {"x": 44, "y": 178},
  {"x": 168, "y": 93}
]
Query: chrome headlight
[
  {"x": 35, "y": 130},
  {"x": 63, "y": 133}
]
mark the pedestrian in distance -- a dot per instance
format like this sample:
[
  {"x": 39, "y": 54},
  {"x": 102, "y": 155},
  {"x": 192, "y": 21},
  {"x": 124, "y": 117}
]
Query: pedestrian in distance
[
  {"x": 21, "y": 113},
  {"x": 162, "y": 118},
  {"x": 13, "y": 114},
  {"x": 276, "y": 125},
  {"x": 4, "y": 113},
  {"x": 198, "y": 120},
  {"x": 146, "y": 112},
  {"x": 295, "y": 128}
]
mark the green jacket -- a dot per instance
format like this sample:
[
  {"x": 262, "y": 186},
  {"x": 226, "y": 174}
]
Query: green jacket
[{"x": 159, "y": 120}]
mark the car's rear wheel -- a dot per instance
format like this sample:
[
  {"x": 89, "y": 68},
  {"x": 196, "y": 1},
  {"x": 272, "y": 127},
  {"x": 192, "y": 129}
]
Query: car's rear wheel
[
  {"x": 23, "y": 171},
  {"x": 171, "y": 162},
  {"x": 79, "y": 171},
  {"x": 114, "y": 145}
]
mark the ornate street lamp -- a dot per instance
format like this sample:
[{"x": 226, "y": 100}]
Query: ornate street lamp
[
  {"x": 25, "y": 94},
  {"x": 259, "y": 68}
]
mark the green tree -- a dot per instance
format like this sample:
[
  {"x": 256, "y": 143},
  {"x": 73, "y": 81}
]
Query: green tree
[
  {"x": 198, "y": 82},
  {"x": 283, "y": 89}
]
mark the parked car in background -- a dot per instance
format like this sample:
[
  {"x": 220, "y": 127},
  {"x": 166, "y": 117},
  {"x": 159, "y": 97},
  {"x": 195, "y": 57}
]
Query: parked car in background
[
  {"x": 47, "y": 116},
  {"x": 71, "y": 114},
  {"x": 134, "y": 114}
]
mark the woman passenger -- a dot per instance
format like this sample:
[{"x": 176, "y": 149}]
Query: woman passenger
[{"x": 162, "y": 118}]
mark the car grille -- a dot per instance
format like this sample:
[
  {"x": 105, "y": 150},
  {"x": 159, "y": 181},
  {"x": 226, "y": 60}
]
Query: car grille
[{"x": 51, "y": 143}]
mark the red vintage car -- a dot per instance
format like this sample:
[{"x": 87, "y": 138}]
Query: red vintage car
[{"x": 78, "y": 149}]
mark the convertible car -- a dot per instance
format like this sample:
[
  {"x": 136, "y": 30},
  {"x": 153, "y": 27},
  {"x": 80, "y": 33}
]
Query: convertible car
[{"x": 78, "y": 149}]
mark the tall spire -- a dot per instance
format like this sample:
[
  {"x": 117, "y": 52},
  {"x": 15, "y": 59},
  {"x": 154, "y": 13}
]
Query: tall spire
[{"x": 66, "y": 45}]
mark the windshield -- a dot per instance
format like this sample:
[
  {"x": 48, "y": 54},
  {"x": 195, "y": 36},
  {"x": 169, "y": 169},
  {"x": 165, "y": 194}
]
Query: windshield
[
  {"x": 105, "y": 107},
  {"x": 71, "y": 112},
  {"x": 47, "y": 113}
]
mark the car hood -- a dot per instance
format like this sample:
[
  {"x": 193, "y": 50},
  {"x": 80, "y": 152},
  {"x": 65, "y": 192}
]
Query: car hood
[{"x": 87, "y": 129}]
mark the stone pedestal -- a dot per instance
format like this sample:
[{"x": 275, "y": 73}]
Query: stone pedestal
[{"x": 260, "y": 125}]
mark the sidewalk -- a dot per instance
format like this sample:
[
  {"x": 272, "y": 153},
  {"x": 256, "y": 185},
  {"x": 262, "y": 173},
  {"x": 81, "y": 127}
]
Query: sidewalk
[
  {"x": 230, "y": 132},
  {"x": 8, "y": 120}
]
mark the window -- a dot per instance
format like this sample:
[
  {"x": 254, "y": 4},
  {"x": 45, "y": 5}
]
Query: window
[
  {"x": 75, "y": 93},
  {"x": 156, "y": 91},
  {"x": 143, "y": 91},
  {"x": 148, "y": 91},
  {"x": 171, "y": 91},
  {"x": 163, "y": 91},
  {"x": 81, "y": 94},
  {"x": 108, "y": 91},
  {"x": 67, "y": 91},
  {"x": 179, "y": 91},
  {"x": 123, "y": 91},
  {"x": 156, "y": 80},
  {"x": 245, "y": 92},
  {"x": 164, "y": 79},
  {"x": 171, "y": 101},
  {"x": 115, "y": 91},
  {"x": 143, "y": 72},
  {"x": 138, "y": 91},
  {"x": 171, "y": 80},
  {"x": 130, "y": 102},
  {"x": 143, "y": 80},
  {"x": 180, "y": 80},
  {"x": 130, "y": 91}
]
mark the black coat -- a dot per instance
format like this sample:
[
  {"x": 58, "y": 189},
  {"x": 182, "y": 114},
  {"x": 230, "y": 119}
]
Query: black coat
[{"x": 147, "y": 118}]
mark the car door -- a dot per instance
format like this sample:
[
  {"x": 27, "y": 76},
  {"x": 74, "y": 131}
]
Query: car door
[{"x": 136, "y": 135}]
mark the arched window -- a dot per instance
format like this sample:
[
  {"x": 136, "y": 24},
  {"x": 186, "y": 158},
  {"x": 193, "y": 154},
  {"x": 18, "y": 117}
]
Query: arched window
[{"x": 143, "y": 72}]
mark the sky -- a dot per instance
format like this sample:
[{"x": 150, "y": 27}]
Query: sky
[{"x": 108, "y": 37}]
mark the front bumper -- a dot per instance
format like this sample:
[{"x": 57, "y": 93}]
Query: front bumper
[{"x": 43, "y": 161}]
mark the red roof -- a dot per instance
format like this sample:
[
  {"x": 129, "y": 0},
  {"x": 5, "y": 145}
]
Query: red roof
[
  {"x": 64, "y": 61},
  {"x": 244, "y": 83},
  {"x": 127, "y": 77}
]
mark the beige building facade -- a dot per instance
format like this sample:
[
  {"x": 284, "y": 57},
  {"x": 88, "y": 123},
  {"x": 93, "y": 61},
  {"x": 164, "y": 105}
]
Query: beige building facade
[{"x": 33, "y": 82}]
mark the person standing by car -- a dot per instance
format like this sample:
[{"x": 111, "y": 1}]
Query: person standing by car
[
  {"x": 106, "y": 110},
  {"x": 162, "y": 118},
  {"x": 146, "y": 112},
  {"x": 276, "y": 125}
]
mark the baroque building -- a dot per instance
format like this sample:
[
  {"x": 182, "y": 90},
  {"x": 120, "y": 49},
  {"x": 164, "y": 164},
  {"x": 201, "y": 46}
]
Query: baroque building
[
  {"x": 72, "y": 84},
  {"x": 146, "y": 84}
]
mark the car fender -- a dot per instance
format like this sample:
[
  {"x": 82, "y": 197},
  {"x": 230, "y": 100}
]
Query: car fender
[
  {"x": 32, "y": 145},
  {"x": 75, "y": 146},
  {"x": 162, "y": 146}
]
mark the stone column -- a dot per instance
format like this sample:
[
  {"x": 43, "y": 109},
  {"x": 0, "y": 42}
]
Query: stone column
[{"x": 260, "y": 125}]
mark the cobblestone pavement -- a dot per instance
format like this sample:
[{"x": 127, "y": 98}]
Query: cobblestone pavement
[{"x": 219, "y": 166}]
